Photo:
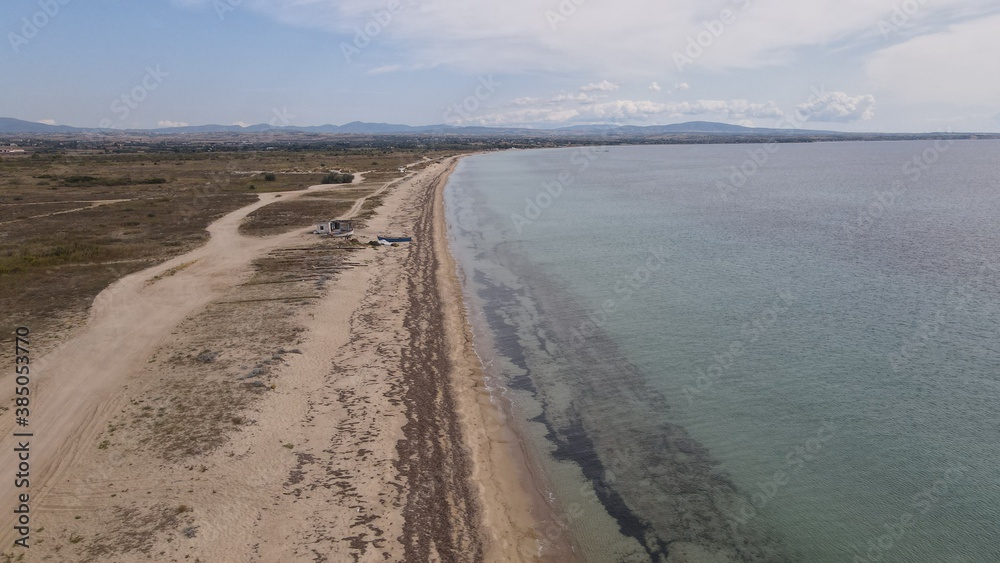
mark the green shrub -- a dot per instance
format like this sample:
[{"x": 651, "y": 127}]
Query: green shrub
[{"x": 335, "y": 178}]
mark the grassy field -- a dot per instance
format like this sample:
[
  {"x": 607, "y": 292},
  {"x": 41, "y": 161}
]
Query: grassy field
[{"x": 73, "y": 222}]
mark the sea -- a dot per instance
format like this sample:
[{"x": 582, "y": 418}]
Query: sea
[{"x": 745, "y": 352}]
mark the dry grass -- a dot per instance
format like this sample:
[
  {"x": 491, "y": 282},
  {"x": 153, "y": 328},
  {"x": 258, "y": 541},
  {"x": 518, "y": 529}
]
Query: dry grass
[
  {"x": 370, "y": 205},
  {"x": 134, "y": 531},
  {"x": 52, "y": 267},
  {"x": 304, "y": 212},
  {"x": 283, "y": 216},
  {"x": 227, "y": 357}
]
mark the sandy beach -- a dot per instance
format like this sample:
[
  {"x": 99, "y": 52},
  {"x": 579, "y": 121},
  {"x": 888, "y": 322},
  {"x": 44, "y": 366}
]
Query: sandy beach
[{"x": 212, "y": 410}]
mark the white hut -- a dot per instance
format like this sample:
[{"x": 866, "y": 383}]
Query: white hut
[{"x": 336, "y": 228}]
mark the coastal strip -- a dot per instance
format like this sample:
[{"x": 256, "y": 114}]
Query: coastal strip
[
  {"x": 441, "y": 512},
  {"x": 250, "y": 426},
  {"x": 465, "y": 501}
]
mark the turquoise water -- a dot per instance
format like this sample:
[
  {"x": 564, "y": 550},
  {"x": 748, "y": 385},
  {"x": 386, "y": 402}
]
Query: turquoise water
[{"x": 746, "y": 353}]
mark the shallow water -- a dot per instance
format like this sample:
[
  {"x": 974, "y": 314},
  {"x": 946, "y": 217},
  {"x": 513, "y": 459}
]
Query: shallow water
[{"x": 759, "y": 353}]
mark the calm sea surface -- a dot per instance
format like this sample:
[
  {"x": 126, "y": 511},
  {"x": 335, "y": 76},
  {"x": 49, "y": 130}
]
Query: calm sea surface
[{"x": 747, "y": 352}]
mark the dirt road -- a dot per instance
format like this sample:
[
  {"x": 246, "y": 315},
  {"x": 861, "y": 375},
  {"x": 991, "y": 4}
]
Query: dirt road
[
  {"x": 74, "y": 385},
  {"x": 379, "y": 443},
  {"x": 356, "y": 208}
]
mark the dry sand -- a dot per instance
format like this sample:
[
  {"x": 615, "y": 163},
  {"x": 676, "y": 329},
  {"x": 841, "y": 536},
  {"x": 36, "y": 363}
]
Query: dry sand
[{"x": 362, "y": 432}]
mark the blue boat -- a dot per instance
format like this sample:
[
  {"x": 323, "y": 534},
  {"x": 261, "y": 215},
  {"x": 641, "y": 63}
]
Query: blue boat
[{"x": 395, "y": 239}]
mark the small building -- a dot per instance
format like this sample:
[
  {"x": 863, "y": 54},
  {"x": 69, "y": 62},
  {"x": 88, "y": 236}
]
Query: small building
[{"x": 335, "y": 228}]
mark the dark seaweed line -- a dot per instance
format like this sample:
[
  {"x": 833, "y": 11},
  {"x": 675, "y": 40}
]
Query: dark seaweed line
[
  {"x": 665, "y": 456},
  {"x": 441, "y": 514}
]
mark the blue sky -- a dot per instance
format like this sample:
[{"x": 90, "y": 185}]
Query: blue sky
[{"x": 861, "y": 65}]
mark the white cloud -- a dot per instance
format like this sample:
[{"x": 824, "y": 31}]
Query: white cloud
[
  {"x": 516, "y": 35},
  {"x": 568, "y": 109},
  {"x": 47, "y": 121},
  {"x": 942, "y": 53},
  {"x": 166, "y": 123},
  {"x": 385, "y": 69},
  {"x": 241, "y": 123},
  {"x": 581, "y": 98},
  {"x": 959, "y": 65},
  {"x": 525, "y": 101},
  {"x": 602, "y": 86},
  {"x": 838, "y": 107}
]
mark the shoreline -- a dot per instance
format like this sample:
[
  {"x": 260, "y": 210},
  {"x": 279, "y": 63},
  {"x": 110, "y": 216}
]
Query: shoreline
[
  {"x": 550, "y": 539},
  {"x": 502, "y": 468},
  {"x": 370, "y": 435}
]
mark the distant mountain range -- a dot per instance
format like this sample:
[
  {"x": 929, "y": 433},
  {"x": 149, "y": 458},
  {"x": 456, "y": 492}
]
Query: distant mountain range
[
  {"x": 692, "y": 131},
  {"x": 13, "y": 126}
]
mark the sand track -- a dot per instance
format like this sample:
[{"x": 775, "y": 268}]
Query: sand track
[
  {"x": 77, "y": 382},
  {"x": 356, "y": 208},
  {"x": 92, "y": 205},
  {"x": 394, "y": 449}
]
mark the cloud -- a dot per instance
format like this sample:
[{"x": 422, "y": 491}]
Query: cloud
[
  {"x": 838, "y": 107},
  {"x": 568, "y": 109},
  {"x": 47, "y": 121},
  {"x": 385, "y": 69},
  {"x": 517, "y": 35},
  {"x": 581, "y": 98},
  {"x": 732, "y": 109},
  {"x": 602, "y": 86},
  {"x": 166, "y": 123},
  {"x": 956, "y": 66},
  {"x": 241, "y": 123},
  {"x": 940, "y": 62}
]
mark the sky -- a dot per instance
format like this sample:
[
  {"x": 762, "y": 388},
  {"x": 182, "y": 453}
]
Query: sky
[{"x": 844, "y": 65}]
